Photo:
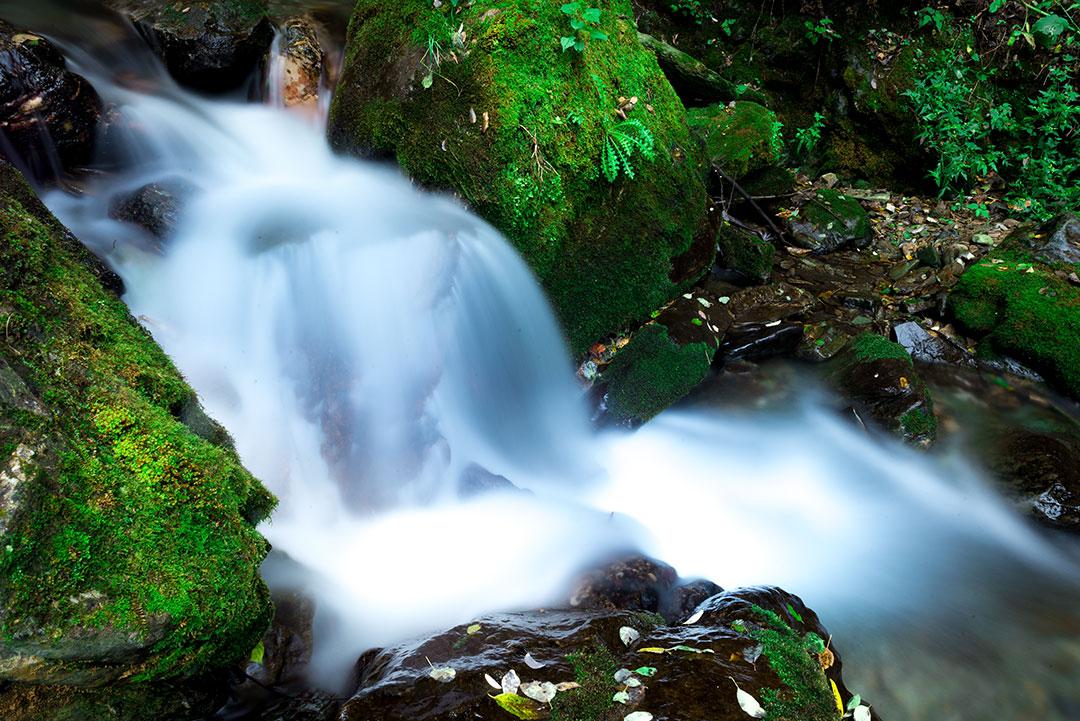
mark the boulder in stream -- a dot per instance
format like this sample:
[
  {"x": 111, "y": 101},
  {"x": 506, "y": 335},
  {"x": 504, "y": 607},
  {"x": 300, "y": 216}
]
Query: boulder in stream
[
  {"x": 48, "y": 115},
  {"x": 828, "y": 221},
  {"x": 128, "y": 547},
  {"x": 582, "y": 159}
]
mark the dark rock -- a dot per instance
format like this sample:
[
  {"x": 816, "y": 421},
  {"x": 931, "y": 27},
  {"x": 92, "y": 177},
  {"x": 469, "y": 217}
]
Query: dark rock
[
  {"x": 632, "y": 584},
  {"x": 758, "y": 341},
  {"x": 695, "y": 83},
  {"x": 880, "y": 380},
  {"x": 1041, "y": 470},
  {"x": 303, "y": 65},
  {"x": 824, "y": 339},
  {"x": 746, "y": 253},
  {"x": 48, "y": 115},
  {"x": 476, "y": 480},
  {"x": 828, "y": 221},
  {"x": 770, "y": 303},
  {"x": 1055, "y": 242},
  {"x": 746, "y": 634},
  {"x": 155, "y": 207},
  {"x": 209, "y": 45},
  {"x": 930, "y": 347}
]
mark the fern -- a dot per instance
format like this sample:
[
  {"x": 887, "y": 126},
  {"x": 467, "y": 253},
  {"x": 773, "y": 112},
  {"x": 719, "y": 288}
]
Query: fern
[{"x": 620, "y": 144}]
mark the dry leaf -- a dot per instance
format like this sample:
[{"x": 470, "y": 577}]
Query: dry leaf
[
  {"x": 542, "y": 691},
  {"x": 862, "y": 713},
  {"x": 748, "y": 703},
  {"x": 532, "y": 662},
  {"x": 492, "y": 682},
  {"x": 694, "y": 618},
  {"x": 567, "y": 686},
  {"x": 628, "y": 635},
  {"x": 442, "y": 674},
  {"x": 510, "y": 682},
  {"x": 638, "y": 716}
]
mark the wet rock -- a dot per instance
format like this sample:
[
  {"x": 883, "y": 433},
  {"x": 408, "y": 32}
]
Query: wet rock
[
  {"x": 695, "y": 83},
  {"x": 879, "y": 378},
  {"x": 759, "y": 341},
  {"x": 769, "y": 303},
  {"x": 828, "y": 221},
  {"x": 163, "y": 701},
  {"x": 641, "y": 584},
  {"x": 751, "y": 635},
  {"x": 824, "y": 339},
  {"x": 302, "y": 65},
  {"x": 608, "y": 252},
  {"x": 154, "y": 207},
  {"x": 48, "y": 115},
  {"x": 209, "y": 45},
  {"x": 738, "y": 138},
  {"x": 927, "y": 346},
  {"x": 476, "y": 480},
  {"x": 745, "y": 253},
  {"x": 98, "y": 581},
  {"x": 1055, "y": 242}
]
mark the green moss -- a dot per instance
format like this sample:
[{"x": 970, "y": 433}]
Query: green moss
[
  {"x": 870, "y": 347},
  {"x": 603, "y": 251},
  {"x": 127, "y": 505},
  {"x": 745, "y": 252},
  {"x": 806, "y": 693},
  {"x": 919, "y": 423},
  {"x": 651, "y": 373},
  {"x": 594, "y": 669},
  {"x": 1022, "y": 309},
  {"x": 740, "y": 137}
]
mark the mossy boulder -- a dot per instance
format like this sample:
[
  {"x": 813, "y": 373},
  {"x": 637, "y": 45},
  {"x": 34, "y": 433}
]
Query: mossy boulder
[
  {"x": 483, "y": 101},
  {"x": 881, "y": 382},
  {"x": 1022, "y": 308},
  {"x": 828, "y": 221},
  {"x": 127, "y": 541},
  {"x": 744, "y": 252},
  {"x": 210, "y": 45},
  {"x": 739, "y": 137}
]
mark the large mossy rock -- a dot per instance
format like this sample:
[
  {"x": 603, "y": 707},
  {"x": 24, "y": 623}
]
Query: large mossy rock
[
  {"x": 128, "y": 546},
  {"x": 828, "y": 221},
  {"x": 1021, "y": 307},
  {"x": 483, "y": 101},
  {"x": 739, "y": 137}
]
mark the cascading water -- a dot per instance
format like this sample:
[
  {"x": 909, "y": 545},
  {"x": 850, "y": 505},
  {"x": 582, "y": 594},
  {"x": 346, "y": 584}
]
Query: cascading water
[{"x": 365, "y": 343}]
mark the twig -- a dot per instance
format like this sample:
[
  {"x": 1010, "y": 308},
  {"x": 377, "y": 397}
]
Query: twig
[{"x": 750, "y": 199}]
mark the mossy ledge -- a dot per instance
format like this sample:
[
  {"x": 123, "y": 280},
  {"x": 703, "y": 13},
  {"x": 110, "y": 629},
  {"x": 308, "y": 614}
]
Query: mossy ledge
[
  {"x": 516, "y": 127},
  {"x": 128, "y": 546}
]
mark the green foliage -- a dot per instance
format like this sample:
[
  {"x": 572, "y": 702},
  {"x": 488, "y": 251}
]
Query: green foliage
[
  {"x": 930, "y": 15},
  {"x": 690, "y": 9},
  {"x": 820, "y": 30},
  {"x": 807, "y": 139},
  {"x": 584, "y": 26},
  {"x": 594, "y": 669},
  {"x": 621, "y": 143}
]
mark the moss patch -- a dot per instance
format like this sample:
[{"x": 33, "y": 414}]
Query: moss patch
[
  {"x": 517, "y": 127},
  {"x": 740, "y": 137},
  {"x": 1021, "y": 308},
  {"x": 134, "y": 534},
  {"x": 805, "y": 693},
  {"x": 594, "y": 669},
  {"x": 745, "y": 252}
]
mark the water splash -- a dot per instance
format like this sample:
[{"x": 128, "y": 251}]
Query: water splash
[{"x": 365, "y": 342}]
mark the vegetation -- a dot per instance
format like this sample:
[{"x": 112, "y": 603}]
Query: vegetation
[
  {"x": 594, "y": 669},
  {"x": 584, "y": 26}
]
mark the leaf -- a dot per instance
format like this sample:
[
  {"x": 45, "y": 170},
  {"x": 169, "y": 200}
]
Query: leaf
[
  {"x": 475, "y": 627},
  {"x": 748, "y": 703},
  {"x": 652, "y": 649},
  {"x": 510, "y": 682},
  {"x": 532, "y": 662},
  {"x": 836, "y": 697},
  {"x": 519, "y": 706},
  {"x": 621, "y": 697},
  {"x": 567, "y": 686},
  {"x": 622, "y": 674},
  {"x": 752, "y": 653},
  {"x": 632, "y": 682},
  {"x": 570, "y": 8},
  {"x": 591, "y": 15},
  {"x": 566, "y": 42},
  {"x": 691, "y": 649},
  {"x": 442, "y": 674},
  {"x": 539, "y": 691},
  {"x": 427, "y": 81},
  {"x": 638, "y": 716},
  {"x": 598, "y": 35},
  {"x": 628, "y": 635},
  {"x": 855, "y": 701},
  {"x": 794, "y": 614},
  {"x": 646, "y": 671},
  {"x": 861, "y": 713},
  {"x": 492, "y": 682},
  {"x": 258, "y": 653},
  {"x": 1050, "y": 26},
  {"x": 577, "y": 24},
  {"x": 579, "y": 45}
]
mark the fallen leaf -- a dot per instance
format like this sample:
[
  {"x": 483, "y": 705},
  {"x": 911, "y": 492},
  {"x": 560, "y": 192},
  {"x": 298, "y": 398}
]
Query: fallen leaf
[
  {"x": 632, "y": 682},
  {"x": 638, "y": 716},
  {"x": 752, "y": 653},
  {"x": 647, "y": 671},
  {"x": 691, "y": 649},
  {"x": 567, "y": 686},
  {"x": 542, "y": 691},
  {"x": 854, "y": 702},
  {"x": 628, "y": 635},
  {"x": 694, "y": 618},
  {"x": 442, "y": 674},
  {"x": 748, "y": 703},
  {"x": 652, "y": 649},
  {"x": 510, "y": 682},
  {"x": 826, "y": 658},
  {"x": 622, "y": 674},
  {"x": 492, "y": 682},
  {"x": 861, "y": 713},
  {"x": 836, "y": 697},
  {"x": 532, "y": 662},
  {"x": 519, "y": 706},
  {"x": 621, "y": 697},
  {"x": 472, "y": 629}
]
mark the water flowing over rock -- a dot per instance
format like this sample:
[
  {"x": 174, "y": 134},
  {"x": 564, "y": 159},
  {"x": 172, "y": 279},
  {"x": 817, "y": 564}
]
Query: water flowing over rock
[{"x": 48, "y": 115}]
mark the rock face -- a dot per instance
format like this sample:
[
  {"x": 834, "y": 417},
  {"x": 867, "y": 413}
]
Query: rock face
[
  {"x": 763, "y": 638},
  {"x": 210, "y": 45},
  {"x": 829, "y": 221},
  {"x": 48, "y": 115},
  {"x": 1019, "y": 306},
  {"x": 154, "y": 207},
  {"x": 482, "y": 100},
  {"x": 127, "y": 544}
]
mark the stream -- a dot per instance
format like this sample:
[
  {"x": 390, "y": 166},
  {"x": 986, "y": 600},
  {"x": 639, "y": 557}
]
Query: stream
[{"x": 367, "y": 344}]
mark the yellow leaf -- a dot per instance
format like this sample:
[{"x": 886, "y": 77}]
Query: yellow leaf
[
  {"x": 258, "y": 653},
  {"x": 904, "y": 382},
  {"x": 472, "y": 629},
  {"x": 652, "y": 649},
  {"x": 836, "y": 697},
  {"x": 520, "y": 706}
]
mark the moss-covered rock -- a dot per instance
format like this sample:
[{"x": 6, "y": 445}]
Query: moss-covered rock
[
  {"x": 482, "y": 100},
  {"x": 695, "y": 83},
  {"x": 744, "y": 252},
  {"x": 880, "y": 380},
  {"x": 829, "y": 220},
  {"x": 128, "y": 545},
  {"x": 1019, "y": 307},
  {"x": 739, "y": 137}
]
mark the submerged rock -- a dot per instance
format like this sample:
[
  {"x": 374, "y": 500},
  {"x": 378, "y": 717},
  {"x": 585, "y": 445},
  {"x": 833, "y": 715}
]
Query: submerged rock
[
  {"x": 48, "y": 115},
  {"x": 828, "y": 221},
  {"x": 210, "y": 45},
  {"x": 129, "y": 547},
  {"x": 582, "y": 159},
  {"x": 880, "y": 380},
  {"x": 154, "y": 207},
  {"x": 765, "y": 639}
]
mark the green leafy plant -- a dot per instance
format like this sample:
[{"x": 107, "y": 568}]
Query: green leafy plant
[
  {"x": 820, "y": 30},
  {"x": 930, "y": 15},
  {"x": 584, "y": 26},
  {"x": 621, "y": 143},
  {"x": 690, "y": 9},
  {"x": 431, "y": 60},
  {"x": 807, "y": 139}
]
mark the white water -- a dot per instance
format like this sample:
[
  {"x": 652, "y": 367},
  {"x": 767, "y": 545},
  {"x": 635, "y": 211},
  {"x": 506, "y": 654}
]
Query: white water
[{"x": 364, "y": 342}]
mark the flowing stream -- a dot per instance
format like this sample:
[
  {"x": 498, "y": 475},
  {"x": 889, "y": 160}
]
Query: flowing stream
[{"x": 367, "y": 343}]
